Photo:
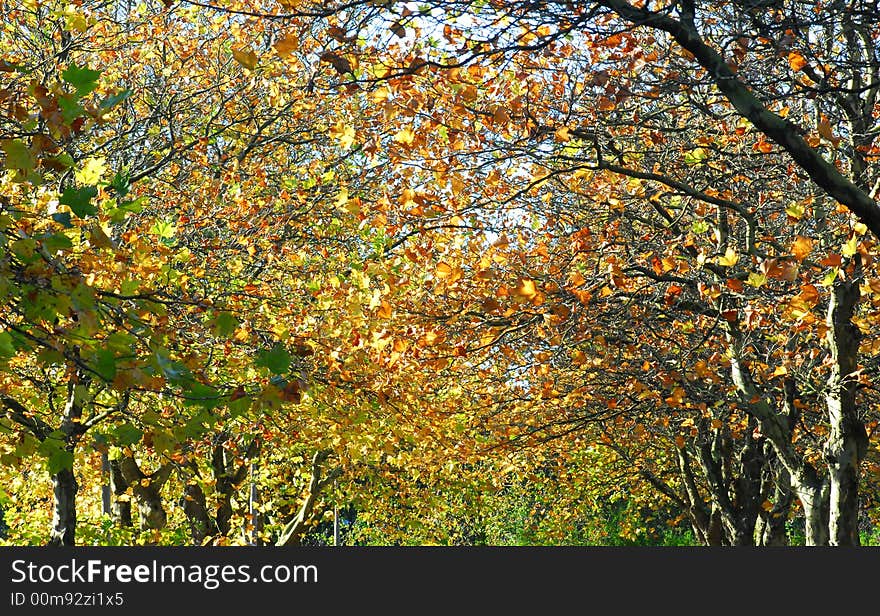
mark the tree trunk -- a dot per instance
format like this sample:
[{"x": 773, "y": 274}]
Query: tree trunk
[
  {"x": 813, "y": 496},
  {"x": 293, "y": 532},
  {"x": 847, "y": 440},
  {"x": 146, "y": 491},
  {"x": 771, "y": 527},
  {"x": 64, "y": 485},
  {"x": 196, "y": 509},
  {"x": 106, "y": 485},
  {"x": 64, "y": 488},
  {"x": 121, "y": 506}
]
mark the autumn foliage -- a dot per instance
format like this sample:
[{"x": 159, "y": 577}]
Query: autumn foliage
[{"x": 467, "y": 272}]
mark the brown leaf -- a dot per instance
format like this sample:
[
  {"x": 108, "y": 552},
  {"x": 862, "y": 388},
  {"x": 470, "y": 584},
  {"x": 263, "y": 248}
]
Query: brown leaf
[{"x": 338, "y": 62}]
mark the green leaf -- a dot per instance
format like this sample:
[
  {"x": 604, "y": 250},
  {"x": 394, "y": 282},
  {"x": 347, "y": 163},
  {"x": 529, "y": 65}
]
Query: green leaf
[
  {"x": 64, "y": 159},
  {"x": 6, "y": 348},
  {"x": 54, "y": 243},
  {"x": 224, "y": 324},
  {"x": 130, "y": 287},
  {"x": 239, "y": 406},
  {"x": 120, "y": 183},
  {"x": 174, "y": 371},
  {"x": 165, "y": 229},
  {"x": 57, "y": 457},
  {"x": 63, "y": 219},
  {"x": 59, "y": 460},
  {"x": 163, "y": 441},
  {"x": 79, "y": 200},
  {"x": 277, "y": 359},
  {"x": 83, "y": 297},
  {"x": 18, "y": 156},
  {"x": 699, "y": 226},
  {"x": 83, "y": 79},
  {"x": 70, "y": 108},
  {"x": 114, "y": 99},
  {"x": 199, "y": 394},
  {"x": 24, "y": 248},
  {"x": 105, "y": 364},
  {"x": 127, "y": 434},
  {"x": 50, "y": 357},
  {"x": 695, "y": 156}
]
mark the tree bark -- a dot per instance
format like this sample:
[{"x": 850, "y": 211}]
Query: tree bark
[
  {"x": 196, "y": 509},
  {"x": 295, "y": 529},
  {"x": 121, "y": 507},
  {"x": 64, "y": 485},
  {"x": 847, "y": 441},
  {"x": 146, "y": 490},
  {"x": 64, "y": 489}
]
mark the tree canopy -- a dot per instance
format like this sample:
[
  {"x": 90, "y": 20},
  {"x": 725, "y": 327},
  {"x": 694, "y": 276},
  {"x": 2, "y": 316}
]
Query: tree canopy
[{"x": 447, "y": 272}]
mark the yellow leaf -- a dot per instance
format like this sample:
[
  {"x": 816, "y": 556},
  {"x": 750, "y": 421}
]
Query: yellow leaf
[
  {"x": 443, "y": 270},
  {"x": 729, "y": 259},
  {"x": 850, "y": 248},
  {"x": 405, "y": 136},
  {"x": 795, "y": 210},
  {"x": 353, "y": 206},
  {"x": 801, "y": 247},
  {"x": 562, "y": 134},
  {"x": 91, "y": 171},
  {"x": 527, "y": 288},
  {"x": 245, "y": 56},
  {"x": 286, "y": 45},
  {"x": 860, "y": 228},
  {"x": 380, "y": 95},
  {"x": 344, "y": 133},
  {"x": 756, "y": 280}
]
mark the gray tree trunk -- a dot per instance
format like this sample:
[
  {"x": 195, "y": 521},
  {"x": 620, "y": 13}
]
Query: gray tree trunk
[
  {"x": 64, "y": 489},
  {"x": 847, "y": 440}
]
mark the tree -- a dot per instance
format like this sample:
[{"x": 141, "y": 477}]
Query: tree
[{"x": 639, "y": 65}]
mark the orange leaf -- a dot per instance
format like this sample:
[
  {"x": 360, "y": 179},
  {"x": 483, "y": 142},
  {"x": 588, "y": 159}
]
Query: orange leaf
[
  {"x": 801, "y": 247},
  {"x": 809, "y": 294},
  {"x": 337, "y": 33},
  {"x": 796, "y": 61},
  {"x": 832, "y": 260},
  {"x": 765, "y": 147},
  {"x": 384, "y": 310}
]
